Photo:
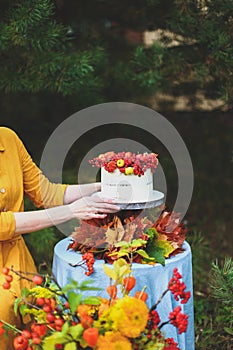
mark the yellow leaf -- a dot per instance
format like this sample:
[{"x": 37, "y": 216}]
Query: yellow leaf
[
  {"x": 109, "y": 272},
  {"x": 166, "y": 245}
]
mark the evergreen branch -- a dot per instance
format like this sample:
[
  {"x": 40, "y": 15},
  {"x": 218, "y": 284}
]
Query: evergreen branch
[{"x": 222, "y": 281}]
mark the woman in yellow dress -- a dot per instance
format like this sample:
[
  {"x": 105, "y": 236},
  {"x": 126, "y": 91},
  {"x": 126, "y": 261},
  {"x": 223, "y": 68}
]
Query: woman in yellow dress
[{"x": 20, "y": 176}]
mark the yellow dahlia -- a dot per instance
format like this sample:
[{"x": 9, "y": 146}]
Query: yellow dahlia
[
  {"x": 113, "y": 341},
  {"x": 129, "y": 316}
]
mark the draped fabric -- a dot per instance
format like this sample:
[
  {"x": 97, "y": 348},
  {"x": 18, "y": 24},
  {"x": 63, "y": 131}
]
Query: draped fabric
[{"x": 155, "y": 278}]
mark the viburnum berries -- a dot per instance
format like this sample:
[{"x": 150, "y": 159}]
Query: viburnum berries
[
  {"x": 178, "y": 288},
  {"x": 178, "y": 319},
  {"x": 20, "y": 343},
  {"x": 8, "y": 278},
  {"x": 89, "y": 260}
]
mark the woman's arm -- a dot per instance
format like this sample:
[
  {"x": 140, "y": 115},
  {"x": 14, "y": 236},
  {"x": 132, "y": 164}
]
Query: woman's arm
[
  {"x": 74, "y": 192},
  {"x": 85, "y": 208}
]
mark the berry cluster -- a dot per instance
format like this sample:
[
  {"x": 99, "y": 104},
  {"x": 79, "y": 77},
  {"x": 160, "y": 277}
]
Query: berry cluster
[
  {"x": 126, "y": 162},
  {"x": 89, "y": 261},
  {"x": 178, "y": 288},
  {"x": 8, "y": 278},
  {"x": 30, "y": 338},
  {"x": 178, "y": 319},
  {"x": 171, "y": 344},
  {"x": 154, "y": 319}
]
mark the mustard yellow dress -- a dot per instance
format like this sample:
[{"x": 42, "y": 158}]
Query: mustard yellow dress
[{"x": 19, "y": 176}]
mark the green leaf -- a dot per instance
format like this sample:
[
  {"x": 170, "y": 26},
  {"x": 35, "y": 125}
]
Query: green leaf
[
  {"x": 122, "y": 244},
  {"x": 144, "y": 254},
  {"x": 137, "y": 243},
  {"x": 70, "y": 346},
  {"x": 76, "y": 331},
  {"x": 23, "y": 309},
  {"x": 56, "y": 338},
  {"x": 159, "y": 257},
  {"x": 91, "y": 301},
  {"x": 70, "y": 286},
  {"x": 151, "y": 232},
  {"x": 16, "y": 305},
  {"x": 25, "y": 292},
  {"x": 65, "y": 328},
  {"x": 74, "y": 300},
  {"x": 228, "y": 330},
  {"x": 157, "y": 253},
  {"x": 166, "y": 246}
]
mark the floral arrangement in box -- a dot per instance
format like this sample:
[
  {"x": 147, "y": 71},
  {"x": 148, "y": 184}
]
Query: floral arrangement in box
[
  {"x": 63, "y": 318},
  {"x": 136, "y": 238},
  {"x": 126, "y": 162}
]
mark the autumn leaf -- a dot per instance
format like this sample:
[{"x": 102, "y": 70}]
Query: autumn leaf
[
  {"x": 119, "y": 228},
  {"x": 166, "y": 246},
  {"x": 111, "y": 236}
]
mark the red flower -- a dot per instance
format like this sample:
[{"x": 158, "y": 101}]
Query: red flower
[{"x": 111, "y": 166}]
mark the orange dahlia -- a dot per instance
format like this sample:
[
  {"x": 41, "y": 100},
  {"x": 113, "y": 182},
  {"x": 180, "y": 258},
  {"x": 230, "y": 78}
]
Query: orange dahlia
[
  {"x": 113, "y": 341},
  {"x": 129, "y": 316}
]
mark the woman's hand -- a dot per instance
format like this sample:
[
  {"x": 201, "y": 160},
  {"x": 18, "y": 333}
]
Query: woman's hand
[
  {"x": 91, "y": 207},
  {"x": 75, "y": 192}
]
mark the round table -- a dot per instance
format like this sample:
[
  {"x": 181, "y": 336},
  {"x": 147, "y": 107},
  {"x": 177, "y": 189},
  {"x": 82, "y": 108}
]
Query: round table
[{"x": 154, "y": 277}]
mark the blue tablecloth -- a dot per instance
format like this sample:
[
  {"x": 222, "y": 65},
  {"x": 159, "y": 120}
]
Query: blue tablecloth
[{"x": 154, "y": 277}]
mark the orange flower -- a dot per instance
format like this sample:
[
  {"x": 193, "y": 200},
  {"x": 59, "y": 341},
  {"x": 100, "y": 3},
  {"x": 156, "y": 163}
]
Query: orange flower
[{"x": 113, "y": 341}]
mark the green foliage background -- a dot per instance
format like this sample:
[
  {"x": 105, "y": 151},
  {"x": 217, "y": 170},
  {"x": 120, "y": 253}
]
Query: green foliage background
[{"x": 82, "y": 48}]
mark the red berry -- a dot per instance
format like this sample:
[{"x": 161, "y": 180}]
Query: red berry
[
  {"x": 5, "y": 270},
  {"x": 66, "y": 305},
  {"x": 36, "y": 340},
  {"x": 47, "y": 308},
  {"x": 2, "y": 331},
  {"x": 40, "y": 301},
  {"x": 50, "y": 318},
  {"x": 6, "y": 285},
  {"x": 20, "y": 343},
  {"x": 26, "y": 334},
  {"x": 37, "y": 279},
  {"x": 59, "y": 322},
  {"x": 9, "y": 278}
]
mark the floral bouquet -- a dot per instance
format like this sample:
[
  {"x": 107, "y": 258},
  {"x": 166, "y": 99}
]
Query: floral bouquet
[
  {"x": 66, "y": 319},
  {"x": 136, "y": 238},
  {"x": 127, "y": 163}
]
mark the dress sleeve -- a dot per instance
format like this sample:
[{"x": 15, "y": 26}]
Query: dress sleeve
[
  {"x": 7, "y": 225},
  {"x": 37, "y": 187}
]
